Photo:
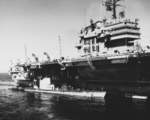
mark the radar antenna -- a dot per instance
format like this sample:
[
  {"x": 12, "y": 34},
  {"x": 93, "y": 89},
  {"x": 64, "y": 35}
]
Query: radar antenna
[{"x": 111, "y": 5}]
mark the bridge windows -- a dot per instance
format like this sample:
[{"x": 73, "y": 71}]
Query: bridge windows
[{"x": 97, "y": 48}]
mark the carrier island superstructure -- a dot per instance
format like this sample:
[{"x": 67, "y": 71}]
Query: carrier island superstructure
[{"x": 111, "y": 57}]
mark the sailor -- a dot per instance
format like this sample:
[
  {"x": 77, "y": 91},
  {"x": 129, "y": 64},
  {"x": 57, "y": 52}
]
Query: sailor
[{"x": 38, "y": 81}]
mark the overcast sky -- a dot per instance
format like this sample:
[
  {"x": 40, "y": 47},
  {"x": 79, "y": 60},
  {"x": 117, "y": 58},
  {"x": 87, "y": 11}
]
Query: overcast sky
[{"x": 38, "y": 23}]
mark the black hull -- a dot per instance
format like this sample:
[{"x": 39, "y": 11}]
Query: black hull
[
  {"x": 126, "y": 73},
  {"x": 131, "y": 71}
]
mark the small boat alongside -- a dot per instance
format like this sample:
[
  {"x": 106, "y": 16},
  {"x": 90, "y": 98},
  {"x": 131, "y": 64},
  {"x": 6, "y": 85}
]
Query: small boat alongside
[{"x": 19, "y": 75}]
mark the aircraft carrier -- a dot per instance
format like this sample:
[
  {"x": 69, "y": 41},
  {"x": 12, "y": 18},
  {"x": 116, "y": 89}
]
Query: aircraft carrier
[{"x": 111, "y": 58}]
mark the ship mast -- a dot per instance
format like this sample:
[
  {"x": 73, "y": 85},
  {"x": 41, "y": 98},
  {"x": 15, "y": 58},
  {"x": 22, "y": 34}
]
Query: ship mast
[
  {"x": 111, "y": 5},
  {"x": 114, "y": 9},
  {"x": 60, "y": 49},
  {"x": 25, "y": 50}
]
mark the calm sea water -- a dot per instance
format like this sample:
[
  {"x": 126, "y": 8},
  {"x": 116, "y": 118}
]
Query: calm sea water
[{"x": 16, "y": 105}]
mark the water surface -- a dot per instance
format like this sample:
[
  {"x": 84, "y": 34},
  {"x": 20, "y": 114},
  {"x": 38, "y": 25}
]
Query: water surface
[{"x": 15, "y": 105}]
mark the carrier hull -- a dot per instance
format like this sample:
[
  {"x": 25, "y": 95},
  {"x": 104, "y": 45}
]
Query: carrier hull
[{"x": 103, "y": 73}]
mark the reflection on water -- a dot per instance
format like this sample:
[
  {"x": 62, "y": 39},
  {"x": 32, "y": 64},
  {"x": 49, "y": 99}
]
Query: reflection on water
[{"x": 16, "y": 105}]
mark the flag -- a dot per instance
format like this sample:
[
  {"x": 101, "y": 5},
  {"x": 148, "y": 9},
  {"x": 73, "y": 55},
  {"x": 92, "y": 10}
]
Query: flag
[
  {"x": 122, "y": 14},
  {"x": 108, "y": 5}
]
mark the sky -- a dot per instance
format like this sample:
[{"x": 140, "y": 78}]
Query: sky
[{"x": 37, "y": 24}]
